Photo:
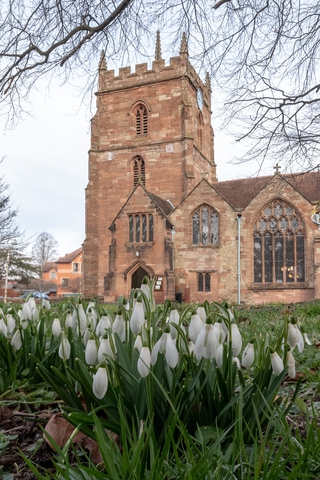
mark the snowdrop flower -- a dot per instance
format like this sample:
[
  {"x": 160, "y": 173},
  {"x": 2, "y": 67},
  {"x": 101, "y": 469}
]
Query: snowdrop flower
[
  {"x": 16, "y": 340},
  {"x": 276, "y": 363},
  {"x": 291, "y": 364},
  {"x": 219, "y": 355},
  {"x": 145, "y": 288},
  {"x": 300, "y": 344},
  {"x": 91, "y": 319},
  {"x": 26, "y": 312},
  {"x": 105, "y": 350},
  {"x": 155, "y": 351},
  {"x": 144, "y": 362},
  {"x": 293, "y": 336},
  {"x": 3, "y": 327},
  {"x": 103, "y": 325},
  {"x": 174, "y": 317},
  {"x": 11, "y": 323},
  {"x": 86, "y": 336},
  {"x": 201, "y": 311},
  {"x": 195, "y": 327},
  {"x": 248, "y": 355},
  {"x": 81, "y": 317},
  {"x": 91, "y": 352},
  {"x": 64, "y": 348},
  {"x": 137, "y": 317},
  {"x": 46, "y": 304},
  {"x": 56, "y": 327},
  {"x": 236, "y": 339},
  {"x": 70, "y": 321},
  {"x": 119, "y": 326},
  {"x": 218, "y": 331},
  {"x": 237, "y": 361},
  {"x": 100, "y": 383},
  {"x": 207, "y": 341},
  {"x": 138, "y": 343},
  {"x": 172, "y": 355},
  {"x": 304, "y": 333}
]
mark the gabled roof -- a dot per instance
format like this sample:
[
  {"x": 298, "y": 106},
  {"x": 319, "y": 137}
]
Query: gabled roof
[
  {"x": 69, "y": 256},
  {"x": 239, "y": 193},
  {"x": 162, "y": 205},
  {"x": 49, "y": 266}
]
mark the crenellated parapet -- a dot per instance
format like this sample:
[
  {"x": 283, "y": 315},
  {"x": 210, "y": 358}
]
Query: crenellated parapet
[{"x": 178, "y": 67}]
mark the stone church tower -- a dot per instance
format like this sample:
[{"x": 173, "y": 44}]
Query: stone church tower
[{"x": 152, "y": 128}]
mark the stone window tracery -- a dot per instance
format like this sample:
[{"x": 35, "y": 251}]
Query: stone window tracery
[
  {"x": 278, "y": 245},
  {"x": 140, "y": 228},
  {"x": 141, "y": 117},
  {"x": 139, "y": 171},
  {"x": 205, "y": 226}
]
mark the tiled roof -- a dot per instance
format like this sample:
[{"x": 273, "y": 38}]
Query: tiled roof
[
  {"x": 162, "y": 204},
  {"x": 69, "y": 256},
  {"x": 239, "y": 193},
  {"x": 49, "y": 266}
]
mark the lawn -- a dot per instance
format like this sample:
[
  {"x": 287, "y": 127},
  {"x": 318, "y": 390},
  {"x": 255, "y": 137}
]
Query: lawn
[{"x": 139, "y": 391}]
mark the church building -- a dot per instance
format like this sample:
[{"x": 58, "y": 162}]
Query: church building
[{"x": 155, "y": 207}]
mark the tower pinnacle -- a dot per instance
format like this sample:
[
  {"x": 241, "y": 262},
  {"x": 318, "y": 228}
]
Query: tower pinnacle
[
  {"x": 157, "y": 55},
  {"x": 184, "y": 44}
]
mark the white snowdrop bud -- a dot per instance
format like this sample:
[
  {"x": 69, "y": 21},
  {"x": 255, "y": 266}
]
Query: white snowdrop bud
[
  {"x": 86, "y": 336},
  {"x": 103, "y": 325},
  {"x": 26, "y": 312},
  {"x": 236, "y": 339},
  {"x": 219, "y": 355},
  {"x": 137, "y": 318},
  {"x": 155, "y": 351},
  {"x": 105, "y": 350},
  {"x": 201, "y": 311},
  {"x": 16, "y": 340},
  {"x": 70, "y": 321},
  {"x": 195, "y": 327},
  {"x": 11, "y": 323},
  {"x": 172, "y": 355},
  {"x": 293, "y": 337},
  {"x": 138, "y": 343},
  {"x": 82, "y": 318},
  {"x": 248, "y": 355},
  {"x": 100, "y": 383},
  {"x": 3, "y": 327},
  {"x": 119, "y": 326},
  {"x": 56, "y": 327},
  {"x": 91, "y": 352},
  {"x": 46, "y": 304},
  {"x": 174, "y": 318},
  {"x": 237, "y": 361},
  {"x": 144, "y": 362},
  {"x": 64, "y": 348},
  {"x": 291, "y": 364},
  {"x": 145, "y": 289},
  {"x": 276, "y": 363}
]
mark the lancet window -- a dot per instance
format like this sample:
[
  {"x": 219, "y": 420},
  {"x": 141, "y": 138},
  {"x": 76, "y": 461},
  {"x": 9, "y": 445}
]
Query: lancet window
[
  {"x": 139, "y": 171},
  {"x": 140, "y": 228},
  {"x": 279, "y": 245},
  {"x": 204, "y": 282},
  {"x": 205, "y": 226},
  {"x": 141, "y": 116}
]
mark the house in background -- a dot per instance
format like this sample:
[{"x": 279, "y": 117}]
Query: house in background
[{"x": 66, "y": 273}]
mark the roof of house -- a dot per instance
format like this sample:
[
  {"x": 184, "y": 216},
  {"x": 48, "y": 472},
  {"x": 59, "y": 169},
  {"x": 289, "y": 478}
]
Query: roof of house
[
  {"x": 69, "y": 256},
  {"x": 239, "y": 193},
  {"x": 164, "y": 205},
  {"x": 49, "y": 266}
]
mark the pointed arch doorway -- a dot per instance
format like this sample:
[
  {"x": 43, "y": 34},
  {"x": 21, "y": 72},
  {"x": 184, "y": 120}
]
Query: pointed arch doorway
[{"x": 138, "y": 276}]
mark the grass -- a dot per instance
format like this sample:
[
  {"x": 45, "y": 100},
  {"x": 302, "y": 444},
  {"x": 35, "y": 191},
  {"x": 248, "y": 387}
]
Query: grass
[{"x": 259, "y": 438}]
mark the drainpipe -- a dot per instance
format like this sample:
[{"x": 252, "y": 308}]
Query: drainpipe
[
  {"x": 172, "y": 238},
  {"x": 239, "y": 218}
]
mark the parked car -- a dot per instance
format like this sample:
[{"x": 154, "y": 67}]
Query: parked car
[{"x": 37, "y": 295}]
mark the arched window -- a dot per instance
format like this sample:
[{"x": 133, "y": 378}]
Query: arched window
[
  {"x": 200, "y": 130},
  {"x": 139, "y": 171},
  {"x": 278, "y": 246},
  {"x": 205, "y": 226},
  {"x": 141, "y": 116}
]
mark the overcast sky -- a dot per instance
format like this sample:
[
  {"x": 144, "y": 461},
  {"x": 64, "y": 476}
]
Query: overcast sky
[{"x": 45, "y": 164}]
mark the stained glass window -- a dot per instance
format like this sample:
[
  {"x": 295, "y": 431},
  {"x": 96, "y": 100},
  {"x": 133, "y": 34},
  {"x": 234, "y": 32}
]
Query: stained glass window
[
  {"x": 205, "y": 226},
  {"x": 278, "y": 245}
]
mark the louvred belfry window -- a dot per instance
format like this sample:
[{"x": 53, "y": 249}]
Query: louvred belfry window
[
  {"x": 205, "y": 226},
  {"x": 139, "y": 171},
  {"x": 141, "y": 120},
  {"x": 278, "y": 245}
]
